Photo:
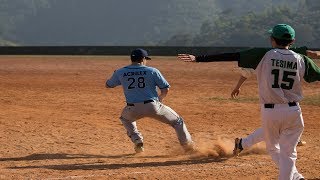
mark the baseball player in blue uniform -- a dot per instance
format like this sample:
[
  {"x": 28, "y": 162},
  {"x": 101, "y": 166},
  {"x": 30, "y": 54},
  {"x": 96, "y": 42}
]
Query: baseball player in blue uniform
[{"x": 140, "y": 85}]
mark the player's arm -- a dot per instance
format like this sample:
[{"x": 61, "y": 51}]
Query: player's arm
[
  {"x": 249, "y": 58},
  {"x": 113, "y": 81},
  {"x": 187, "y": 57},
  {"x": 163, "y": 93},
  {"x": 245, "y": 74},
  {"x": 313, "y": 54},
  {"x": 209, "y": 58},
  {"x": 312, "y": 71},
  {"x": 162, "y": 84},
  {"x": 236, "y": 89}
]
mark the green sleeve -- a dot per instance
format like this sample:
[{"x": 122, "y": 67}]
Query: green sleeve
[
  {"x": 251, "y": 58},
  {"x": 312, "y": 71},
  {"x": 300, "y": 50}
]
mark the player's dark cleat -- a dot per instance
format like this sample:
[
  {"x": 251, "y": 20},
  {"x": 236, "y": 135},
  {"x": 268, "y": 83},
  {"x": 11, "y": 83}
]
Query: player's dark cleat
[
  {"x": 237, "y": 146},
  {"x": 139, "y": 147},
  {"x": 302, "y": 143}
]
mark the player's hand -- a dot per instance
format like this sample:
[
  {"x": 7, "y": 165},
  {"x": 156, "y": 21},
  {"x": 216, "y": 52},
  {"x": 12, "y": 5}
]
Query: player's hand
[
  {"x": 235, "y": 93},
  {"x": 187, "y": 57},
  {"x": 313, "y": 54}
]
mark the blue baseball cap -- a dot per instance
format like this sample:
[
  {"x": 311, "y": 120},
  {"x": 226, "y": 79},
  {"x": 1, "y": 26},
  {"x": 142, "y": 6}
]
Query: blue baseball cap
[
  {"x": 139, "y": 53},
  {"x": 283, "y": 32}
]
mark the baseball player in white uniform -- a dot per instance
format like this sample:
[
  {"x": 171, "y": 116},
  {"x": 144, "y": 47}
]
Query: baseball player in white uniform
[
  {"x": 279, "y": 76},
  {"x": 279, "y": 71},
  {"x": 256, "y": 136},
  {"x": 140, "y": 83}
]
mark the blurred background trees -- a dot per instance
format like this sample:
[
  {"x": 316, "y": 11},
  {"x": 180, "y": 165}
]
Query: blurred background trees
[{"x": 159, "y": 23}]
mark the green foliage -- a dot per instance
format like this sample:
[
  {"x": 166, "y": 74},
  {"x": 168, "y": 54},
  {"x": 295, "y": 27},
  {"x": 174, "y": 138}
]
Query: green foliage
[
  {"x": 250, "y": 29},
  {"x": 166, "y": 22}
]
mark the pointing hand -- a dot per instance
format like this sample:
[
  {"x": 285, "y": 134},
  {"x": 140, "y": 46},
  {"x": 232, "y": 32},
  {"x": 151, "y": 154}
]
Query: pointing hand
[{"x": 187, "y": 57}]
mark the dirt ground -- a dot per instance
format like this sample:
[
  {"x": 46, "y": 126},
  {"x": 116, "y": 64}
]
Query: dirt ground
[{"x": 58, "y": 121}]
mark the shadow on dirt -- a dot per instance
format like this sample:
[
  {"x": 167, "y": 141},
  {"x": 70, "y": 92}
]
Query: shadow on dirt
[
  {"x": 34, "y": 157},
  {"x": 103, "y": 166}
]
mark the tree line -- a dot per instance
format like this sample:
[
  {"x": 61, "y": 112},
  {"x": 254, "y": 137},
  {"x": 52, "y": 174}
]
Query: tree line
[
  {"x": 226, "y": 29},
  {"x": 164, "y": 23}
]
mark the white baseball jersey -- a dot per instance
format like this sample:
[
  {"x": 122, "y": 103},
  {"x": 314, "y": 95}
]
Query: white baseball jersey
[{"x": 279, "y": 75}]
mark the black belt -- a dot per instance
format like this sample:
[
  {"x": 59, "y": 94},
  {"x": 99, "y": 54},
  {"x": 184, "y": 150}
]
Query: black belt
[
  {"x": 144, "y": 102},
  {"x": 271, "y": 106}
]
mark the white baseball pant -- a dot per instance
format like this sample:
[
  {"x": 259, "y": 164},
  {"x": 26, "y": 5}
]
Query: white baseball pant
[
  {"x": 155, "y": 110},
  {"x": 283, "y": 127}
]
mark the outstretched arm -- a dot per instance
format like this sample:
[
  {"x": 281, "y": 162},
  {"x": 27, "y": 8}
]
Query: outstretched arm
[
  {"x": 312, "y": 71},
  {"x": 313, "y": 54},
  {"x": 210, "y": 58},
  {"x": 249, "y": 58},
  {"x": 187, "y": 57},
  {"x": 236, "y": 89}
]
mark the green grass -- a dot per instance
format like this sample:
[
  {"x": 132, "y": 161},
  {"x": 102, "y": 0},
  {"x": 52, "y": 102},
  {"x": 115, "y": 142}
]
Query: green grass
[
  {"x": 218, "y": 98},
  {"x": 311, "y": 100},
  {"x": 247, "y": 100},
  {"x": 238, "y": 100}
]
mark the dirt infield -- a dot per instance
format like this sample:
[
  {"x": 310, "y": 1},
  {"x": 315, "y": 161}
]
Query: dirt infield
[{"x": 58, "y": 121}]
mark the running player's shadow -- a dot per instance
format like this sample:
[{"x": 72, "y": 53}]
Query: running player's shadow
[
  {"x": 104, "y": 166},
  {"x": 33, "y": 157}
]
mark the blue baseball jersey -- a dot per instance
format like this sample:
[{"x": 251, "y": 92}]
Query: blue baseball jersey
[{"x": 139, "y": 82}]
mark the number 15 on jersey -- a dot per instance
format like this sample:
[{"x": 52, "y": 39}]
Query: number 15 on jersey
[{"x": 287, "y": 79}]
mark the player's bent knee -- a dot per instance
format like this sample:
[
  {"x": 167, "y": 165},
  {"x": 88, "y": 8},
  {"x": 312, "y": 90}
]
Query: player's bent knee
[
  {"x": 177, "y": 122},
  {"x": 122, "y": 119}
]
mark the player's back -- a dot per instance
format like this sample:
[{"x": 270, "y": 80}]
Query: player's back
[
  {"x": 140, "y": 82},
  {"x": 279, "y": 76}
]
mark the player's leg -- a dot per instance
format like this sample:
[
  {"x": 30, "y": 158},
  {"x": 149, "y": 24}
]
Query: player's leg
[
  {"x": 247, "y": 142},
  {"x": 279, "y": 135},
  {"x": 167, "y": 115},
  {"x": 253, "y": 138},
  {"x": 128, "y": 117},
  {"x": 290, "y": 135},
  {"x": 271, "y": 130}
]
